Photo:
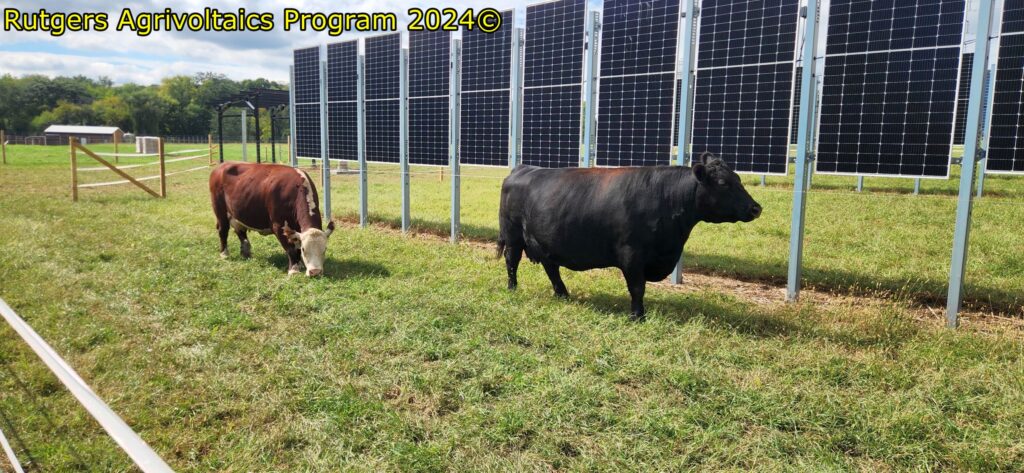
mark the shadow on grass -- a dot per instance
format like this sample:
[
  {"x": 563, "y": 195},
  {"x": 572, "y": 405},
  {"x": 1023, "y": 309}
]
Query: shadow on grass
[
  {"x": 681, "y": 308},
  {"x": 13, "y": 434},
  {"x": 922, "y": 292},
  {"x": 752, "y": 321},
  {"x": 338, "y": 270}
]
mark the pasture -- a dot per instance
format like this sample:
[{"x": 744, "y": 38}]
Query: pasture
[{"x": 410, "y": 355}]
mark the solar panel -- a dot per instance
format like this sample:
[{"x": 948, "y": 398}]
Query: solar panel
[
  {"x": 486, "y": 94},
  {"x": 744, "y": 86},
  {"x": 862, "y": 26},
  {"x": 638, "y": 72},
  {"x": 963, "y": 93},
  {"x": 1006, "y": 133},
  {"x": 307, "y": 102},
  {"x": 890, "y": 87},
  {"x": 798, "y": 87},
  {"x": 383, "y": 57},
  {"x": 552, "y": 96},
  {"x": 1013, "y": 16},
  {"x": 342, "y": 80},
  {"x": 382, "y": 131},
  {"x": 429, "y": 78}
]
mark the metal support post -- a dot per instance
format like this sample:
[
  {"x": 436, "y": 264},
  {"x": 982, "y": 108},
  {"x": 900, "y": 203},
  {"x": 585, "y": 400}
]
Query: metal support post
[
  {"x": 325, "y": 164},
  {"x": 589, "y": 125},
  {"x": 972, "y": 151},
  {"x": 804, "y": 151},
  {"x": 454, "y": 124},
  {"x": 403, "y": 135},
  {"x": 688, "y": 41}
]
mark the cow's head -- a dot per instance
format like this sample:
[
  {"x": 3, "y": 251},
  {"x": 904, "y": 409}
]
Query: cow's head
[
  {"x": 721, "y": 197},
  {"x": 312, "y": 244}
]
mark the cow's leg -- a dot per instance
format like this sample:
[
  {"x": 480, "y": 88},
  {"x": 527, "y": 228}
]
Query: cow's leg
[
  {"x": 637, "y": 284},
  {"x": 293, "y": 253},
  {"x": 556, "y": 280},
  {"x": 222, "y": 232},
  {"x": 289, "y": 249},
  {"x": 513, "y": 255},
  {"x": 243, "y": 238}
]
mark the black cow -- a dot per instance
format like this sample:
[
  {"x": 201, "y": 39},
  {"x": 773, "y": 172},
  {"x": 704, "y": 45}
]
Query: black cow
[{"x": 635, "y": 219}]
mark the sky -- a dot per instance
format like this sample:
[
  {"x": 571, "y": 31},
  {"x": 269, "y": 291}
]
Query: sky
[{"x": 125, "y": 57}]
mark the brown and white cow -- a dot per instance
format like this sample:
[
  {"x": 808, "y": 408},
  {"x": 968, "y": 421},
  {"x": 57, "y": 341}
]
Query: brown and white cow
[{"x": 270, "y": 198}]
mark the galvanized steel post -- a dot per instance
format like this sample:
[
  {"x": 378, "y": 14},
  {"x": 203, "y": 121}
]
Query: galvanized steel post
[
  {"x": 972, "y": 151},
  {"x": 804, "y": 151},
  {"x": 689, "y": 40}
]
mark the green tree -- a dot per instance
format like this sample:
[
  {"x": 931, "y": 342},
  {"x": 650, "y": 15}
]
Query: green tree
[{"x": 112, "y": 110}]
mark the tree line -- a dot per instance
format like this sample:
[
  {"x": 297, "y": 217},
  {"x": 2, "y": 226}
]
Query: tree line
[{"x": 178, "y": 105}]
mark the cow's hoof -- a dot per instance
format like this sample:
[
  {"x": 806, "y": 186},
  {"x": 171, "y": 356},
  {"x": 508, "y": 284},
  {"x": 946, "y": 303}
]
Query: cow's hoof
[
  {"x": 562, "y": 295},
  {"x": 293, "y": 271},
  {"x": 224, "y": 254},
  {"x": 246, "y": 250},
  {"x": 638, "y": 318},
  {"x": 513, "y": 287}
]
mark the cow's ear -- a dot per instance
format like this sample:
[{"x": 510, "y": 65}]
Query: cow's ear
[
  {"x": 700, "y": 172},
  {"x": 330, "y": 229},
  {"x": 706, "y": 157}
]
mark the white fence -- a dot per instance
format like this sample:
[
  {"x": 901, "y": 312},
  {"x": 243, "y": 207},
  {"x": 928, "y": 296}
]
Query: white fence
[{"x": 144, "y": 457}]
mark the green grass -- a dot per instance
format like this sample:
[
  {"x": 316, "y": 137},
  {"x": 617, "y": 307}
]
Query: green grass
[{"x": 410, "y": 355}]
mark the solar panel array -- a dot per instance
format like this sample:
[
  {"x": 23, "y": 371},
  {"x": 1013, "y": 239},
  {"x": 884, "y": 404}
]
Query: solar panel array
[
  {"x": 342, "y": 81},
  {"x": 638, "y": 82},
  {"x": 486, "y": 94},
  {"x": 429, "y": 80},
  {"x": 307, "y": 102},
  {"x": 890, "y": 87},
  {"x": 553, "y": 89},
  {"x": 743, "y": 95},
  {"x": 382, "y": 88},
  {"x": 1006, "y": 133}
]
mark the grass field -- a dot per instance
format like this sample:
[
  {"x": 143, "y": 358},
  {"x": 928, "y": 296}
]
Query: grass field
[{"x": 410, "y": 355}]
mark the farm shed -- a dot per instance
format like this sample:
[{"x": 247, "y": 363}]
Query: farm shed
[{"x": 89, "y": 134}]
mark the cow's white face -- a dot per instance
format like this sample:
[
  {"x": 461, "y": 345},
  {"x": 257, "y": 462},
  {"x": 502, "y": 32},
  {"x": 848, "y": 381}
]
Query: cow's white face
[{"x": 312, "y": 245}]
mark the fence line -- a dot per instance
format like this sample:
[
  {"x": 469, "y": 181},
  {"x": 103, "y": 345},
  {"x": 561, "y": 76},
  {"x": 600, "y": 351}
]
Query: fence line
[
  {"x": 15, "y": 463},
  {"x": 137, "y": 449},
  {"x": 141, "y": 179}
]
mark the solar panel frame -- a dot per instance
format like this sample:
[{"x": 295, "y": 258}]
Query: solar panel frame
[
  {"x": 637, "y": 94},
  {"x": 307, "y": 101},
  {"x": 382, "y": 91},
  {"x": 890, "y": 88},
  {"x": 486, "y": 94},
  {"x": 429, "y": 89},
  {"x": 342, "y": 82},
  {"x": 552, "y": 122},
  {"x": 745, "y": 72}
]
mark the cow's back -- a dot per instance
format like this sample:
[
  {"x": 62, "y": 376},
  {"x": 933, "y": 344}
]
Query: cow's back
[{"x": 256, "y": 194}]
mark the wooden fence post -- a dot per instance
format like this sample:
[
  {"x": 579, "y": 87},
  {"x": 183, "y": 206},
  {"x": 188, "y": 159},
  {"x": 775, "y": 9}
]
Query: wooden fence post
[
  {"x": 209, "y": 142},
  {"x": 163, "y": 174},
  {"x": 117, "y": 147},
  {"x": 3, "y": 145},
  {"x": 74, "y": 170}
]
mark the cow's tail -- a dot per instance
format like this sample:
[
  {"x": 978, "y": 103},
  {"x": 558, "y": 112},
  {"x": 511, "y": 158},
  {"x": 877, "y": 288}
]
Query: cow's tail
[{"x": 501, "y": 248}]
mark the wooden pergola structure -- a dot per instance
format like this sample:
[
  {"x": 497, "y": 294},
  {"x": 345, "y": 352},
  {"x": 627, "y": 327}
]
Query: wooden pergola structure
[{"x": 273, "y": 100}]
